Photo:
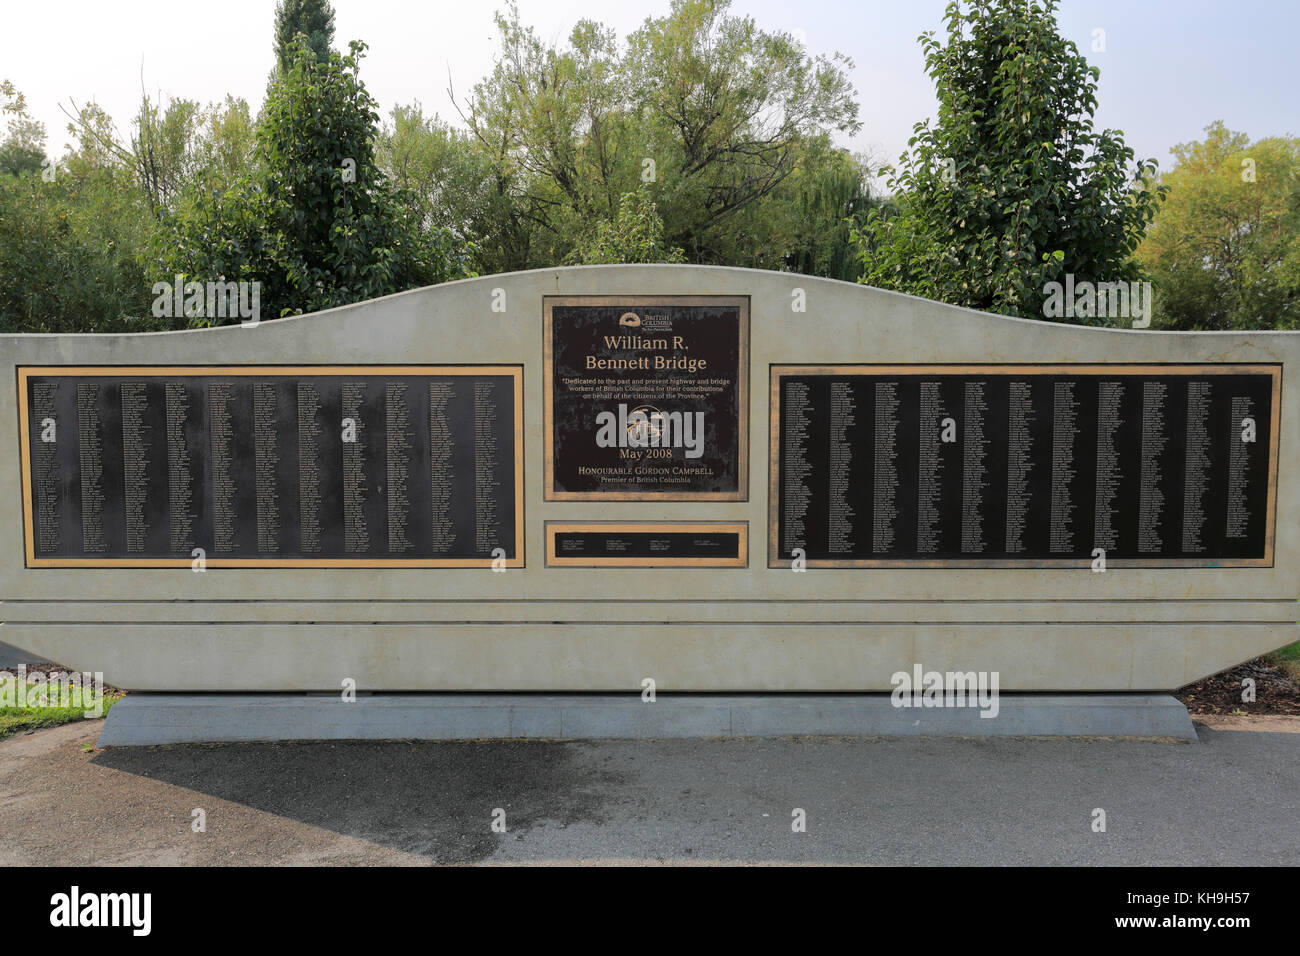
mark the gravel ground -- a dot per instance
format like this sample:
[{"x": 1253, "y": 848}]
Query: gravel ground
[{"x": 1231, "y": 798}]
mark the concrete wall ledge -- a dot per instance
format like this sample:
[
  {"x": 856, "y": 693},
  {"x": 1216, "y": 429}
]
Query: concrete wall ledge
[{"x": 152, "y": 719}]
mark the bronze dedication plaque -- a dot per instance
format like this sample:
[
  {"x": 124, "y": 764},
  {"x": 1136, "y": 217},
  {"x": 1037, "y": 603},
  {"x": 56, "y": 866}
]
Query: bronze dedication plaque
[{"x": 646, "y": 398}]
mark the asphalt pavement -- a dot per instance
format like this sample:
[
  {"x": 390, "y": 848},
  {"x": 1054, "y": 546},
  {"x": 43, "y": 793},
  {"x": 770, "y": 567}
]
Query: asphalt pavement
[{"x": 1231, "y": 798}]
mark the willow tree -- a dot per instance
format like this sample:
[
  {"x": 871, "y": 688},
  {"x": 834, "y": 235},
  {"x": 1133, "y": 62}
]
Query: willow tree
[{"x": 699, "y": 113}]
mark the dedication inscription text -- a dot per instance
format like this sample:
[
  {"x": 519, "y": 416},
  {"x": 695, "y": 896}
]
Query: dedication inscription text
[{"x": 646, "y": 398}]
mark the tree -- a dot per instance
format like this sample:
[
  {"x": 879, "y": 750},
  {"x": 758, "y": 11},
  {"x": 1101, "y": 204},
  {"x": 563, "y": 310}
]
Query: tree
[
  {"x": 700, "y": 109},
  {"x": 733, "y": 105},
  {"x": 1012, "y": 186},
  {"x": 313, "y": 18},
  {"x": 1224, "y": 252},
  {"x": 226, "y": 148},
  {"x": 635, "y": 234},
  {"x": 14, "y": 101},
  {"x": 23, "y": 148},
  {"x": 828, "y": 197},
  {"x": 172, "y": 145},
  {"x": 72, "y": 238},
  {"x": 449, "y": 182},
  {"x": 95, "y": 143},
  {"x": 316, "y": 221},
  {"x": 70, "y": 253}
]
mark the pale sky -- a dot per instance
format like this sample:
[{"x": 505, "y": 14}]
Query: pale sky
[{"x": 1170, "y": 67}]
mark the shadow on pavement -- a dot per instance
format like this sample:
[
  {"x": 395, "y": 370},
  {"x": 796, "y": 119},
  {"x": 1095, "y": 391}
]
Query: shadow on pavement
[{"x": 428, "y": 798}]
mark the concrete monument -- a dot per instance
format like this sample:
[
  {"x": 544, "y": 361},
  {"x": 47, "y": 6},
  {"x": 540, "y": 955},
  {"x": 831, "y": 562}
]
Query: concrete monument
[{"x": 696, "y": 486}]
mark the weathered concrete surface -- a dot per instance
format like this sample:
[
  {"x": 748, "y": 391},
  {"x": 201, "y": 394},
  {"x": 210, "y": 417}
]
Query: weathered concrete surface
[
  {"x": 1229, "y": 799},
  {"x": 727, "y": 630},
  {"x": 149, "y": 719}
]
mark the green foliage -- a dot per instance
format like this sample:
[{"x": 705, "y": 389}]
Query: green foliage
[
  {"x": 174, "y": 148},
  {"x": 171, "y": 147},
  {"x": 23, "y": 148},
  {"x": 96, "y": 145},
  {"x": 829, "y": 197},
  {"x": 14, "y": 101},
  {"x": 77, "y": 239},
  {"x": 294, "y": 202},
  {"x": 225, "y": 149},
  {"x": 1012, "y": 186},
  {"x": 313, "y": 18},
  {"x": 336, "y": 229},
  {"x": 450, "y": 182},
  {"x": 218, "y": 235},
  {"x": 70, "y": 236},
  {"x": 635, "y": 234},
  {"x": 316, "y": 222},
  {"x": 1224, "y": 252},
  {"x": 706, "y": 113},
  {"x": 70, "y": 253},
  {"x": 731, "y": 106}
]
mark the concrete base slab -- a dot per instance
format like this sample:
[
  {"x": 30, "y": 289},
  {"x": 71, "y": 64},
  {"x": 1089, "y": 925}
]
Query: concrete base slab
[{"x": 148, "y": 719}]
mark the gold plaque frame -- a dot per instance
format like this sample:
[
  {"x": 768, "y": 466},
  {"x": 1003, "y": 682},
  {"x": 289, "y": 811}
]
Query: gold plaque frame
[
  {"x": 774, "y": 425},
  {"x": 740, "y": 528},
  {"x": 515, "y": 372},
  {"x": 741, "y": 302}
]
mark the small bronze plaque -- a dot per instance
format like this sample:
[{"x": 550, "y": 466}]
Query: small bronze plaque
[{"x": 649, "y": 544}]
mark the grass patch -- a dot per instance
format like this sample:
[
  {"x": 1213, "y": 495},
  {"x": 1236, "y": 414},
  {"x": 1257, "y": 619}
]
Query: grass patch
[
  {"x": 1289, "y": 653},
  {"x": 1287, "y": 658},
  {"x": 43, "y": 702}
]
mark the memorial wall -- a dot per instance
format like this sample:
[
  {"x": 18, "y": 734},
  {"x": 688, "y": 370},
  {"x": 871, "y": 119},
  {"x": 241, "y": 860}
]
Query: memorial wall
[{"x": 721, "y": 479}]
